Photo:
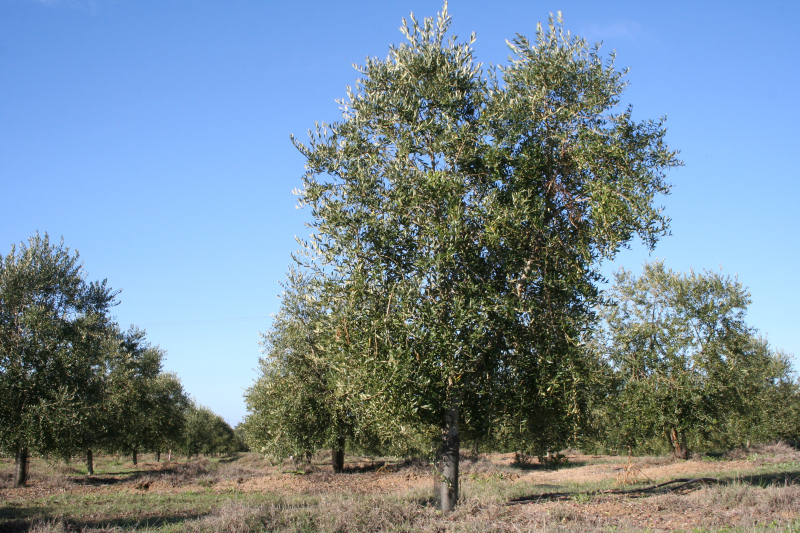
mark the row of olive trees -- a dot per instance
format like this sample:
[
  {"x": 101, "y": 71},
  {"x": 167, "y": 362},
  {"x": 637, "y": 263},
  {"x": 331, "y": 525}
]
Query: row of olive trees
[
  {"x": 459, "y": 220},
  {"x": 673, "y": 366},
  {"x": 72, "y": 382},
  {"x": 208, "y": 433}
]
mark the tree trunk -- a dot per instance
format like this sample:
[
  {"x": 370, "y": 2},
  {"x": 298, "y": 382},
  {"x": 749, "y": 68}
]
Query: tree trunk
[
  {"x": 89, "y": 462},
  {"x": 21, "y": 466},
  {"x": 677, "y": 441},
  {"x": 135, "y": 457},
  {"x": 446, "y": 471},
  {"x": 337, "y": 456},
  {"x": 158, "y": 456}
]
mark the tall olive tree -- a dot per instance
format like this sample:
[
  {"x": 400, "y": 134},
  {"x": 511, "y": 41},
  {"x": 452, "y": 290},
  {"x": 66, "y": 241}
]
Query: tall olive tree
[
  {"x": 52, "y": 321},
  {"x": 460, "y": 216},
  {"x": 689, "y": 369}
]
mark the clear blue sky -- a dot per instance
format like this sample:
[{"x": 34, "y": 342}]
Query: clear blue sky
[{"x": 154, "y": 136}]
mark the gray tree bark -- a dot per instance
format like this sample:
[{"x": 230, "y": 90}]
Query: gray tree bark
[
  {"x": 89, "y": 462},
  {"x": 337, "y": 456},
  {"x": 446, "y": 481},
  {"x": 21, "y": 466}
]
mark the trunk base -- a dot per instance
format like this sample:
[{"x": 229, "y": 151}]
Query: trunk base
[
  {"x": 677, "y": 441},
  {"x": 337, "y": 461},
  {"x": 446, "y": 466},
  {"x": 337, "y": 455},
  {"x": 21, "y": 467}
]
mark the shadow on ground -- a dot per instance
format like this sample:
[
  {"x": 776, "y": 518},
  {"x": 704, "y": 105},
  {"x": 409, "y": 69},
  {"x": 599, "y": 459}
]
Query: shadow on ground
[
  {"x": 24, "y": 522},
  {"x": 540, "y": 467},
  {"x": 790, "y": 477}
]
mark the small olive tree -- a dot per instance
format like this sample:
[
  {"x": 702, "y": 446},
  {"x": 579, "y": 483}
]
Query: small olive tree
[
  {"x": 688, "y": 369},
  {"x": 301, "y": 400},
  {"x": 289, "y": 405},
  {"x": 206, "y": 432},
  {"x": 145, "y": 407}
]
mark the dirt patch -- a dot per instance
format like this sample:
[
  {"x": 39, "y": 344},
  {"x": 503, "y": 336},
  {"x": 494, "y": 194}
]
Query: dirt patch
[{"x": 322, "y": 482}]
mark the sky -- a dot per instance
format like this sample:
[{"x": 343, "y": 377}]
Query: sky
[{"x": 153, "y": 135}]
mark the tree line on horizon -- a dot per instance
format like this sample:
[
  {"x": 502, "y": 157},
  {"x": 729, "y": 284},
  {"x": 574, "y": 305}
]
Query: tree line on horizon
[
  {"x": 72, "y": 382},
  {"x": 449, "y": 293}
]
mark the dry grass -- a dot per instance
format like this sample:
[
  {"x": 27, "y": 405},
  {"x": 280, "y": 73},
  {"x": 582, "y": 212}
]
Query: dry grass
[
  {"x": 772, "y": 453},
  {"x": 246, "y": 494},
  {"x": 743, "y": 508},
  {"x": 45, "y": 475}
]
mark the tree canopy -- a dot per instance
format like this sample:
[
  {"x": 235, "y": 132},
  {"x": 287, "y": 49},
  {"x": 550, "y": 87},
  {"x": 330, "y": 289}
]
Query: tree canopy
[{"x": 459, "y": 217}]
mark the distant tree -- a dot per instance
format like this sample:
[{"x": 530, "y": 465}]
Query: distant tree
[
  {"x": 167, "y": 417},
  {"x": 206, "y": 432},
  {"x": 688, "y": 367},
  {"x": 241, "y": 436},
  {"x": 51, "y": 322},
  {"x": 135, "y": 366},
  {"x": 223, "y": 438},
  {"x": 781, "y": 414},
  {"x": 96, "y": 427},
  {"x": 769, "y": 406},
  {"x": 288, "y": 403},
  {"x": 459, "y": 220},
  {"x": 145, "y": 407}
]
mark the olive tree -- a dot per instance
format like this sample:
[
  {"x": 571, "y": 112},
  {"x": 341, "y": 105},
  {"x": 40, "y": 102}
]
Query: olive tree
[
  {"x": 167, "y": 416},
  {"x": 145, "y": 407},
  {"x": 206, "y": 432},
  {"x": 52, "y": 322},
  {"x": 688, "y": 367},
  {"x": 301, "y": 401},
  {"x": 459, "y": 217},
  {"x": 289, "y": 403}
]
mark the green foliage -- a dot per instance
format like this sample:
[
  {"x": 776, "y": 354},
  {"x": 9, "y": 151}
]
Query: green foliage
[
  {"x": 53, "y": 327},
  {"x": 301, "y": 399},
  {"x": 289, "y": 404},
  {"x": 144, "y": 406},
  {"x": 688, "y": 369},
  {"x": 70, "y": 381},
  {"x": 207, "y": 433}
]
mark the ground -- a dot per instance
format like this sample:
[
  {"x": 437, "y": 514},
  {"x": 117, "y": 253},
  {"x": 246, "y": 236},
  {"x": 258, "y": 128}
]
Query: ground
[{"x": 759, "y": 490}]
